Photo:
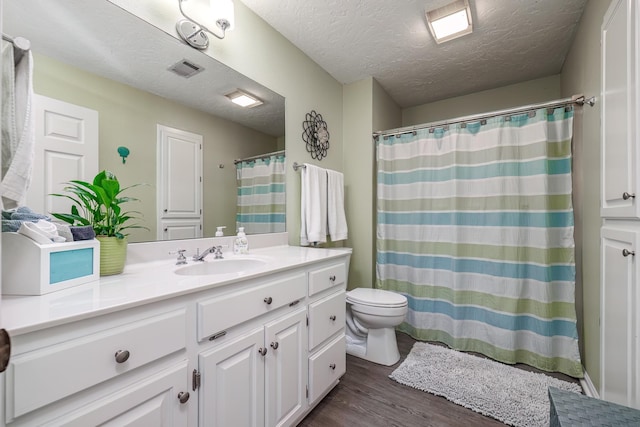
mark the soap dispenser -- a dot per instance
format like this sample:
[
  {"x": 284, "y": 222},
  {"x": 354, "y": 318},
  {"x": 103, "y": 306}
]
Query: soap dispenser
[
  {"x": 219, "y": 232},
  {"x": 240, "y": 244}
]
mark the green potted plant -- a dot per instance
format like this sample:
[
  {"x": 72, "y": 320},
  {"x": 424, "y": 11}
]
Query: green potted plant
[{"x": 98, "y": 205}]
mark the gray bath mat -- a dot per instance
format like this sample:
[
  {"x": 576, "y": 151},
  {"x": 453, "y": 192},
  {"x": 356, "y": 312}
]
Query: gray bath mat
[{"x": 511, "y": 395}]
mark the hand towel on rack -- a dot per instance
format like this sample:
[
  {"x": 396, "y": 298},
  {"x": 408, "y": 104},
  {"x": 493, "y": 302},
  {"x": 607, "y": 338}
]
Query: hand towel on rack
[
  {"x": 18, "y": 134},
  {"x": 313, "y": 205},
  {"x": 337, "y": 220}
]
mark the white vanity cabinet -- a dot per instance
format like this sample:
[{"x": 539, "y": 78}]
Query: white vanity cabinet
[
  {"x": 91, "y": 372},
  {"x": 327, "y": 347},
  {"x": 259, "y": 350}
]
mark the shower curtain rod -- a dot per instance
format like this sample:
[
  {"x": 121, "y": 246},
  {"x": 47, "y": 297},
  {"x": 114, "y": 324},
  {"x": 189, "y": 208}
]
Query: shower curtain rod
[
  {"x": 260, "y": 156},
  {"x": 575, "y": 99}
]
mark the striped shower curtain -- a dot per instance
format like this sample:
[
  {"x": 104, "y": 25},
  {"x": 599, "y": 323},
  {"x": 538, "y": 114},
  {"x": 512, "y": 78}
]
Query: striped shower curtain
[
  {"x": 475, "y": 227},
  {"x": 261, "y": 197}
]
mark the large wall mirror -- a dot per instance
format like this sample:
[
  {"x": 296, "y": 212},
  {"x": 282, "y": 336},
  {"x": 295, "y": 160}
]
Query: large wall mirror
[{"x": 95, "y": 55}]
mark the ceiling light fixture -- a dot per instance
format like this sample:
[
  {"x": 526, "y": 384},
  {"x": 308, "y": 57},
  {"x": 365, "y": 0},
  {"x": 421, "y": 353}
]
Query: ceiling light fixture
[
  {"x": 220, "y": 12},
  {"x": 243, "y": 99},
  {"x": 451, "y": 21}
]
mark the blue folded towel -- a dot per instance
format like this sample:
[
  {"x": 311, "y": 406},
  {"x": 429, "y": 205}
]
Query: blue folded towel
[
  {"x": 11, "y": 225},
  {"x": 23, "y": 213}
]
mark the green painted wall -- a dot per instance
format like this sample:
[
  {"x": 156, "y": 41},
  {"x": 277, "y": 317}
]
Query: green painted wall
[{"x": 581, "y": 74}]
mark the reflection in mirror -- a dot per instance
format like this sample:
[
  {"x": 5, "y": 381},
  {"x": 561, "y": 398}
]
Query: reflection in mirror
[{"x": 94, "y": 55}]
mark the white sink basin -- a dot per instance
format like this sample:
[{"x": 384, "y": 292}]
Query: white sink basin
[{"x": 221, "y": 266}]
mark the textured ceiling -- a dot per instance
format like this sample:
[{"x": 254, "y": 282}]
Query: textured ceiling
[
  {"x": 101, "y": 38},
  {"x": 513, "y": 41}
]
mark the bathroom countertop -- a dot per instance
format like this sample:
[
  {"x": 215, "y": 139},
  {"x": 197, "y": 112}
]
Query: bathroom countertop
[{"x": 143, "y": 283}]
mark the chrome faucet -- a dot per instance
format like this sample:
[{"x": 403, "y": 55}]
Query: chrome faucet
[{"x": 215, "y": 250}]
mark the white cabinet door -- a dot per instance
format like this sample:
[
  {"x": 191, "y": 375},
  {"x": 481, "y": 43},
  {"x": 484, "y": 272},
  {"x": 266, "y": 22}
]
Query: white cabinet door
[
  {"x": 286, "y": 371},
  {"x": 232, "y": 390},
  {"x": 66, "y": 148},
  {"x": 619, "y": 109},
  {"x": 619, "y": 333},
  {"x": 151, "y": 402}
]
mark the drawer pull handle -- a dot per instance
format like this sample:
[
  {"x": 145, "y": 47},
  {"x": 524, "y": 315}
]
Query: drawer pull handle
[
  {"x": 217, "y": 335},
  {"x": 627, "y": 252},
  {"x": 122, "y": 356},
  {"x": 262, "y": 351},
  {"x": 333, "y": 366},
  {"x": 183, "y": 397},
  {"x": 274, "y": 345},
  {"x": 332, "y": 278},
  {"x": 268, "y": 300},
  {"x": 627, "y": 196},
  {"x": 333, "y": 318}
]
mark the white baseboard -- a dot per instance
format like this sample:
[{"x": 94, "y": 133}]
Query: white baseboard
[{"x": 588, "y": 387}]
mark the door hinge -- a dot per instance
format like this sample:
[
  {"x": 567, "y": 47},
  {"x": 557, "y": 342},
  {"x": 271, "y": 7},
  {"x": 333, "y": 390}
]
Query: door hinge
[
  {"x": 195, "y": 380},
  {"x": 307, "y": 387}
]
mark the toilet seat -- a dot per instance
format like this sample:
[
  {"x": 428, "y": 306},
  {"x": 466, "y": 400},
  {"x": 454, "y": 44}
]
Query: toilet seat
[{"x": 376, "y": 298}]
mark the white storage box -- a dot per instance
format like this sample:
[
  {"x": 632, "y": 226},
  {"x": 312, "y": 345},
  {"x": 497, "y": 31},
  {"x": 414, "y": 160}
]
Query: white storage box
[{"x": 29, "y": 268}]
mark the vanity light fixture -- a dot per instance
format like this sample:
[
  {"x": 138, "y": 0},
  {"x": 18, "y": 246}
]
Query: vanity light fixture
[
  {"x": 243, "y": 99},
  {"x": 451, "y": 21},
  {"x": 193, "y": 32}
]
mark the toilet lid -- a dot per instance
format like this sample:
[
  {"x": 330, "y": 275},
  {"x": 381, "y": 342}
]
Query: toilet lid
[{"x": 376, "y": 297}]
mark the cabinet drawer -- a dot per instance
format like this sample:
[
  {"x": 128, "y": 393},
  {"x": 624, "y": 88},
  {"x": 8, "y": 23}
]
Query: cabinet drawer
[
  {"x": 221, "y": 312},
  {"x": 326, "y": 317},
  {"x": 325, "y": 278},
  {"x": 326, "y": 366},
  {"x": 151, "y": 402},
  {"x": 43, "y": 376}
]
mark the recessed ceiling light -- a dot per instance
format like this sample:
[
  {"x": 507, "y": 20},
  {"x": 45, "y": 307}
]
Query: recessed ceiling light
[
  {"x": 450, "y": 21},
  {"x": 244, "y": 99}
]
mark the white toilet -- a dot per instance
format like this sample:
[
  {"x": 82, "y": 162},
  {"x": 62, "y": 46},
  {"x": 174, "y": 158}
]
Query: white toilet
[{"x": 372, "y": 315}]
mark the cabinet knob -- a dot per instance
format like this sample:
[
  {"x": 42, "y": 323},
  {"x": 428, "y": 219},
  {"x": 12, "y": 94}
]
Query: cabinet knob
[
  {"x": 627, "y": 252},
  {"x": 333, "y": 318},
  {"x": 332, "y": 278},
  {"x": 183, "y": 397},
  {"x": 333, "y": 366},
  {"x": 122, "y": 356},
  {"x": 627, "y": 196},
  {"x": 262, "y": 351},
  {"x": 274, "y": 345},
  {"x": 268, "y": 300}
]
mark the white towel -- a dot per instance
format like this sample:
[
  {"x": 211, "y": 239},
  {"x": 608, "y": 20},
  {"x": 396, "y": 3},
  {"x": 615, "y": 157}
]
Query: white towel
[
  {"x": 313, "y": 205},
  {"x": 18, "y": 133},
  {"x": 337, "y": 220}
]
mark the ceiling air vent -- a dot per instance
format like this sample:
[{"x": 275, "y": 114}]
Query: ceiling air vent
[{"x": 186, "y": 68}]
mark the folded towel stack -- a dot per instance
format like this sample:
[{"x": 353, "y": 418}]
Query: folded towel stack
[{"x": 12, "y": 219}]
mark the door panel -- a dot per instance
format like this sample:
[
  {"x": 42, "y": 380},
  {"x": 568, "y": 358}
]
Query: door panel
[{"x": 66, "y": 148}]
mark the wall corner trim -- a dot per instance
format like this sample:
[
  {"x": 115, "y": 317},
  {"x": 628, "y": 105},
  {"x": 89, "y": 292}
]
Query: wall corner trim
[{"x": 588, "y": 387}]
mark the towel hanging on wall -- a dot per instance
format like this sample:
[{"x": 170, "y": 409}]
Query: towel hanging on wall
[
  {"x": 18, "y": 127},
  {"x": 313, "y": 207},
  {"x": 322, "y": 205}
]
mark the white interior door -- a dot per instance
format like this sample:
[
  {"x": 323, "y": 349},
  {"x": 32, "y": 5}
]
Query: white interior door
[
  {"x": 179, "y": 181},
  {"x": 66, "y": 148}
]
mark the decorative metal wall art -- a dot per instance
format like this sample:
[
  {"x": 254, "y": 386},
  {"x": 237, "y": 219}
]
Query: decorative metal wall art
[{"x": 316, "y": 135}]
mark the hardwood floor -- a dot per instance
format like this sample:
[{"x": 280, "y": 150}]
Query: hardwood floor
[{"x": 366, "y": 396}]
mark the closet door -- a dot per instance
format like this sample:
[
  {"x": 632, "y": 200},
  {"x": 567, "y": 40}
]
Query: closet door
[
  {"x": 619, "y": 367},
  {"x": 619, "y": 107}
]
